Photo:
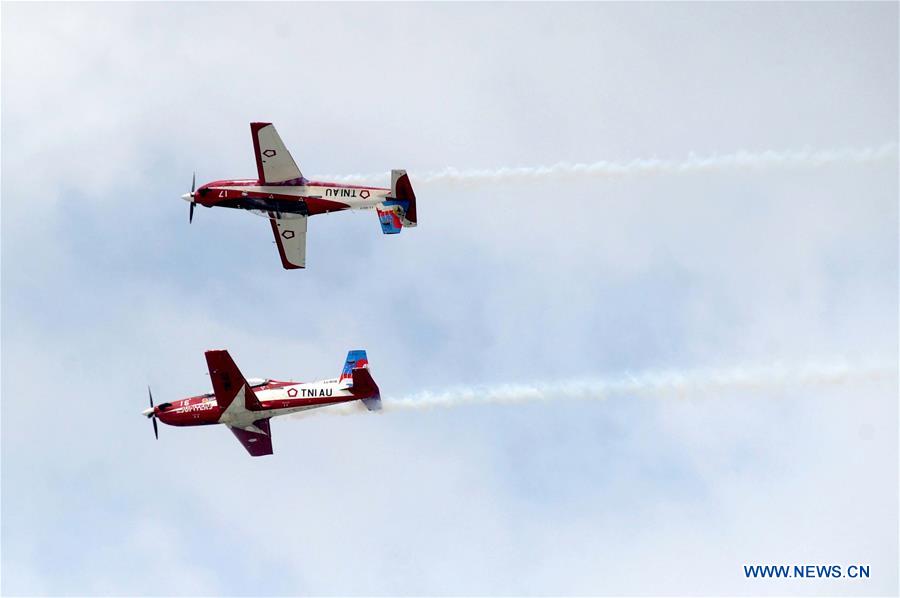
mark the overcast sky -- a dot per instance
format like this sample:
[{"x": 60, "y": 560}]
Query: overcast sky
[{"x": 108, "y": 109}]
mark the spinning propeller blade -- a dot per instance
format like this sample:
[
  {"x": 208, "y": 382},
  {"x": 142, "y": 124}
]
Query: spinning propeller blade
[
  {"x": 152, "y": 414},
  {"x": 193, "y": 203}
]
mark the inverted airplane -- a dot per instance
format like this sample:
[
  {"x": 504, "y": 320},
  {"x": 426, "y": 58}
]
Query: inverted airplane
[
  {"x": 246, "y": 406},
  {"x": 283, "y": 195}
]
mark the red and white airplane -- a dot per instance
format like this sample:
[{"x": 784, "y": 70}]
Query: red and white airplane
[
  {"x": 246, "y": 406},
  {"x": 283, "y": 195}
]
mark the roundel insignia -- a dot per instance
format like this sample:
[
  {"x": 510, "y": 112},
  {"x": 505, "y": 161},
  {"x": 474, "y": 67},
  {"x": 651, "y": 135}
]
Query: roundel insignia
[
  {"x": 292, "y": 392},
  {"x": 364, "y": 194},
  {"x": 288, "y": 234},
  {"x": 269, "y": 153}
]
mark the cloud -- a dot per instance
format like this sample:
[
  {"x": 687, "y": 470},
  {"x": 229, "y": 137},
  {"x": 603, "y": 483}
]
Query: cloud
[{"x": 678, "y": 279}]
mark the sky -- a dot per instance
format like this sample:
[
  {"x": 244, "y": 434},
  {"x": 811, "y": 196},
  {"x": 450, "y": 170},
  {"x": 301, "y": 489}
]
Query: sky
[{"x": 108, "y": 109}]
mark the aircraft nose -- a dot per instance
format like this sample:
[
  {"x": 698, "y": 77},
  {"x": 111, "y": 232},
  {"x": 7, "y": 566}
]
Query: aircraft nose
[
  {"x": 147, "y": 412},
  {"x": 188, "y": 197}
]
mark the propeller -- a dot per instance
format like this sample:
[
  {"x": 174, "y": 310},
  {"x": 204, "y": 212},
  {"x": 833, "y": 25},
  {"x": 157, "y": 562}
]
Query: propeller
[
  {"x": 152, "y": 414},
  {"x": 193, "y": 203}
]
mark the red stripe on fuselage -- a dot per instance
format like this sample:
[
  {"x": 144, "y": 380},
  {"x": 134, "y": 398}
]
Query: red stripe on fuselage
[
  {"x": 316, "y": 205},
  {"x": 195, "y": 416},
  {"x": 214, "y": 194}
]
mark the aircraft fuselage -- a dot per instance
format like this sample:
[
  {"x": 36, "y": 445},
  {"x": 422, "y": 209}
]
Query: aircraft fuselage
[
  {"x": 299, "y": 196},
  {"x": 275, "y": 398}
]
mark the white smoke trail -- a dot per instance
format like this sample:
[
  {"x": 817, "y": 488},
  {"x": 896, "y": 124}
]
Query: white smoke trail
[
  {"x": 678, "y": 384},
  {"x": 742, "y": 160}
]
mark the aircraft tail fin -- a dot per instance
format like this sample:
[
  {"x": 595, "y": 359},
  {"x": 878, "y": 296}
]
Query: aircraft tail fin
[
  {"x": 355, "y": 359},
  {"x": 399, "y": 208},
  {"x": 358, "y": 379}
]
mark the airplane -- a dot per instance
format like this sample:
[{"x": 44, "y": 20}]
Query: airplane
[
  {"x": 246, "y": 406},
  {"x": 283, "y": 195}
]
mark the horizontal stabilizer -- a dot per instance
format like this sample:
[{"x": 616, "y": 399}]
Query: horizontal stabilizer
[
  {"x": 402, "y": 192},
  {"x": 365, "y": 388},
  {"x": 373, "y": 404},
  {"x": 399, "y": 208}
]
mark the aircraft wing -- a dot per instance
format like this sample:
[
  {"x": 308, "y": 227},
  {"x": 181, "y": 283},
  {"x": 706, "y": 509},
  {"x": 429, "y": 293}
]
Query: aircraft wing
[
  {"x": 228, "y": 382},
  {"x": 273, "y": 161},
  {"x": 258, "y": 441},
  {"x": 290, "y": 236}
]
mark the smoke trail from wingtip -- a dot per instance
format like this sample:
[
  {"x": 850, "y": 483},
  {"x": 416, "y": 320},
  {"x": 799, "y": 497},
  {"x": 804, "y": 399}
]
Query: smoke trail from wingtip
[
  {"x": 693, "y": 164},
  {"x": 664, "y": 384}
]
